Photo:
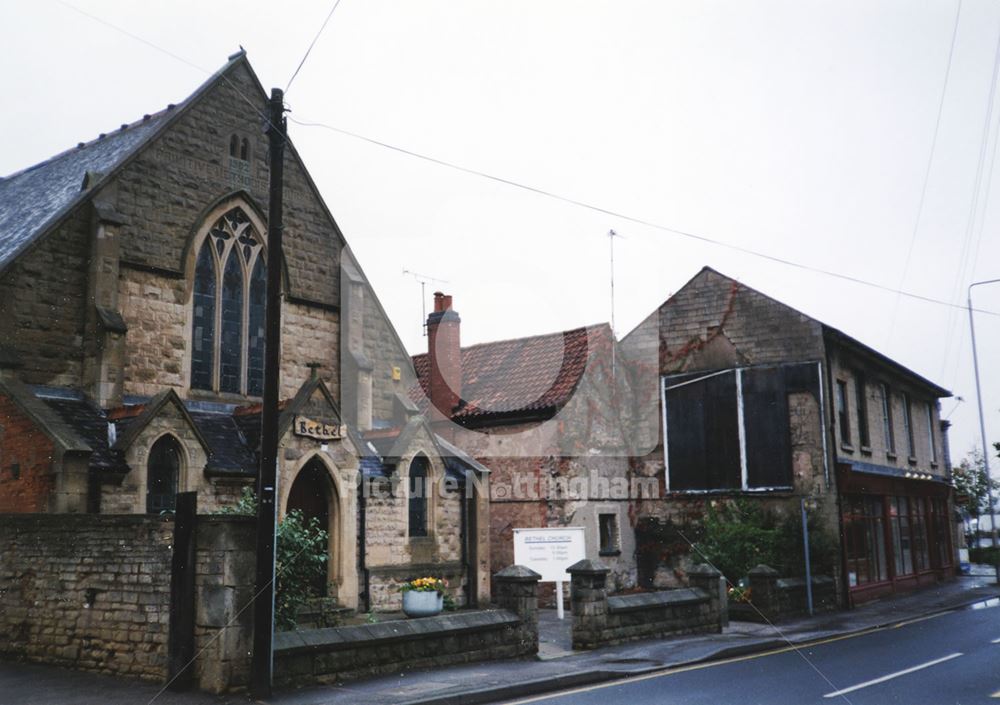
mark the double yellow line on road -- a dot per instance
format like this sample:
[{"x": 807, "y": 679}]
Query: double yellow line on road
[{"x": 735, "y": 659}]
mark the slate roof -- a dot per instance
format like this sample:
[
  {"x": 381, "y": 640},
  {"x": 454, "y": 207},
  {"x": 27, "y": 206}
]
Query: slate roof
[
  {"x": 34, "y": 199},
  {"x": 91, "y": 424},
  {"x": 534, "y": 375},
  {"x": 231, "y": 453}
]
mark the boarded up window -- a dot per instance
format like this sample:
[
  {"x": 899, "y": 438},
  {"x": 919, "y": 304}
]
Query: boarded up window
[
  {"x": 703, "y": 427},
  {"x": 703, "y": 432}
]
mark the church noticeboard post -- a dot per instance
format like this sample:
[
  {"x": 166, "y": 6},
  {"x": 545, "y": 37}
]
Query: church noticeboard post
[{"x": 549, "y": 552}]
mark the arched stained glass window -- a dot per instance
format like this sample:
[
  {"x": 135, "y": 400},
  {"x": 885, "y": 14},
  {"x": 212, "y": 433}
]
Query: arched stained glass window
[
  {"x": 418, "y": 496},
  {"x": 203, "y": 326},
  {"x": 162, "y": 473},
  {"x": 231, "y": 347},
  {"x": 255, "y": 329},
  {"x": 227, "y": 349}
]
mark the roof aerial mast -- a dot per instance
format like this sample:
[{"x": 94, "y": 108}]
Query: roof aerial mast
[{"x": 423, "y": 279}]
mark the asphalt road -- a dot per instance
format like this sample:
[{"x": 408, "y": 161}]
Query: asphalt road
[{"x": 949, "y": 658}]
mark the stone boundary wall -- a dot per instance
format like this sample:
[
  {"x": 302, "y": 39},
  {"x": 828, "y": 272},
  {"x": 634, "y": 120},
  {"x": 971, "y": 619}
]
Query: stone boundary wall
[
  {"x": 325, "y": 656},
  {"x": 86, "y": 591},
  {"x": 92, "y": 592},
  {"x": 775, "y": 599},
  {"x": 599, "y": 620}
]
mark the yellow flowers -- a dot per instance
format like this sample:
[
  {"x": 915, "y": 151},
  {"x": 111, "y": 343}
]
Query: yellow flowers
[{"x": 428, "y": 584}]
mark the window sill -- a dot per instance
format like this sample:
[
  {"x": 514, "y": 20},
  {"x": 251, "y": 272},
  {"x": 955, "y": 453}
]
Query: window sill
[
  {"x": 866, "y": 450},
  {"x": 616, "y": 552},
  {"x": 890, "y": 456},
  {"x": 847, "y": 446},
  {"x": 934, "y": 466},
  {"x": 911, "y": 460}
]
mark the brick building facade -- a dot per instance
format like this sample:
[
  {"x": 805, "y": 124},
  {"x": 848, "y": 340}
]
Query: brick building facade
[
  {"x": 545, "y": 414},
  {"x": 131, "y": 318},
  {"x": 763, "y": 402}
]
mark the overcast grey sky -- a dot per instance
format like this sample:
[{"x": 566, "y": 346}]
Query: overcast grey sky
[{"x": 798, "y": 129}]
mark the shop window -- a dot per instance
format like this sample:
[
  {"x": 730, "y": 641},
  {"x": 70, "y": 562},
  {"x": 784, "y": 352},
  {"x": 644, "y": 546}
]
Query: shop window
[
  {"x": 417, "y": 497},
  {"x": 902, "y": 547},
  {"x": 941, "y": 523},
  {"x": 607, "y": 525},
  {"x": 162, "y": 472},
  {"x": 864, "y": 540},
  {"x": 227, "y": 337}
]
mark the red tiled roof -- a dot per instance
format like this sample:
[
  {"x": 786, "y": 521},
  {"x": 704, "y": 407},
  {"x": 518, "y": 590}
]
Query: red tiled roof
[{"x": 518, "y": 376}]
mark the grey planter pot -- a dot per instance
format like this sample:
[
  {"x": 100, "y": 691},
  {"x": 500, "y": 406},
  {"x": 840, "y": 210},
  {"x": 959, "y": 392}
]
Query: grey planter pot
[{"x": 422, "y": 604}]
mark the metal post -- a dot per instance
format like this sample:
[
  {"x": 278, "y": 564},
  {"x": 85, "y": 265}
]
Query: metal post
[
  {"x": 263, "y": 632},
  {"x": 982, "y": 430},
  {"x": 805, "y": 549}
]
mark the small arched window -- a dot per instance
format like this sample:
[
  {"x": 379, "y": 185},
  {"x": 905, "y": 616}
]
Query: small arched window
[
  {"x": 245, "y": 149},
  {"x": 162, "y": 473},
  {"x": 227, "y": 337},
  {"x": 418, "y": 495},
  {"x": 234, "y": 146}
]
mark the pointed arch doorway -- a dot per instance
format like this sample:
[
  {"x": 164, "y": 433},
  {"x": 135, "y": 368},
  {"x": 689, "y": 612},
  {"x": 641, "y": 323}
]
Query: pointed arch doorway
[{"x": 313, "y": 494}]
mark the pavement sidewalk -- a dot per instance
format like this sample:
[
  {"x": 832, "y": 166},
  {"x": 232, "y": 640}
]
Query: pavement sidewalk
[{"x": 557, "y": 666}]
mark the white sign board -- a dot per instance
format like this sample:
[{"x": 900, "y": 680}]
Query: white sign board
[{"x": 549, "y": 552}]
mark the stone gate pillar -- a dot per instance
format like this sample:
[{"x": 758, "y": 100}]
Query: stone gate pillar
[
  {"x": 711, "y": 581},
  {"x": 517, "y": 591},
  {"x": 589, "y": 599}
]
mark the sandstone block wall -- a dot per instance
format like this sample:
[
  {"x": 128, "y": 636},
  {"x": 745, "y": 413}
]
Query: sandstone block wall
[{"x": 86, "y": 591}]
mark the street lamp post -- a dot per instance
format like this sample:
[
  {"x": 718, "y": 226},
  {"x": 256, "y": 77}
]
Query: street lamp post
[{"x": 982, "y": 428}]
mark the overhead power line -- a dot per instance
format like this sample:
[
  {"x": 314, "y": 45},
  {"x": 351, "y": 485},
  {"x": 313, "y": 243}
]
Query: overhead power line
[
  {"x": 927, "y": 171},
  {"x": 535, "y": 189},
  {"x": 311, "y": 45},
  {"x": 639, "y": 221}
]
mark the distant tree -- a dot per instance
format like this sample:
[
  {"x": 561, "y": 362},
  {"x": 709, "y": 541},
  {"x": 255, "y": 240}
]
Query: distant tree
[{"x": 971, "y": 482}]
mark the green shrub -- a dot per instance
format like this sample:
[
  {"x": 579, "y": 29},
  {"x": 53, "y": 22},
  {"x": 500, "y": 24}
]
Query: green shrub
[
  {"x": 300, "y": 558},
  {"x": 985, "y": 554},
  {"x": 741, "y": 534}
]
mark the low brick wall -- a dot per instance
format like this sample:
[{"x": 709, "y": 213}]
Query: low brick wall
[
  {"x": 86, "y": 591},
  {"x": 324, "y": 656},
  {"x": 599, "y": 620},
  {"x": 774, "y": 599}
]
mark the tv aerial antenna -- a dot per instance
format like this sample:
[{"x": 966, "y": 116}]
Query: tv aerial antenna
[{"x": 423, "y": 280}]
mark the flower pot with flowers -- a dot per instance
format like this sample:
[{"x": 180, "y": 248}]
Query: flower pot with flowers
[{"x": 423, "y": 597}]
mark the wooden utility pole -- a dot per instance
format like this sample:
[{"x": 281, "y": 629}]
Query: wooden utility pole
[{"x": 263, "y": 611}]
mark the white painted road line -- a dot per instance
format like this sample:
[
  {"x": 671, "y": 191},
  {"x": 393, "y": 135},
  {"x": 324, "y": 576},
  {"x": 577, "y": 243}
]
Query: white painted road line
[{"x": 889, "y": 677}]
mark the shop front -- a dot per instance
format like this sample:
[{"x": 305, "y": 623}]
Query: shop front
[{"x": 895, "y": 531}]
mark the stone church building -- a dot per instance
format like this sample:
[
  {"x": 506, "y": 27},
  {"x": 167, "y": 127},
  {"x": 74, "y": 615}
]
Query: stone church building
[{"x": 132, "y": 272}]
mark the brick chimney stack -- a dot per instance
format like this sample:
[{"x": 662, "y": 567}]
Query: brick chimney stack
[{"x": 444, "y": 352}]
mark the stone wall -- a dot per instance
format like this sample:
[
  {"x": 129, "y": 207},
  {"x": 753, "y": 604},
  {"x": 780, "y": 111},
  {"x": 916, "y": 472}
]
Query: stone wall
[
  {"x": 322, "y": 656},
  {"x": 774, "y": 599},
  {"x": 42, "y": 310},
  {"x": 92, "y": 592},
  {"x": 599, "y": 620},
  {"x": 86, "y": 591}
]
